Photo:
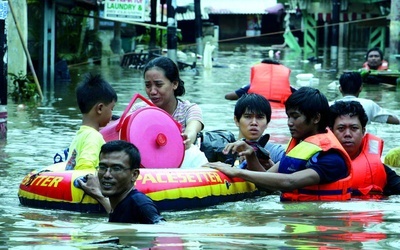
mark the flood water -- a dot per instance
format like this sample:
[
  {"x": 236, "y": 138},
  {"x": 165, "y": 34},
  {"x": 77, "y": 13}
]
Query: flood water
[{"x": 37, "y": 131}]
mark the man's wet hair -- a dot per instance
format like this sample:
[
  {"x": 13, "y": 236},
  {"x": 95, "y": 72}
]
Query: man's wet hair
[
  {"x": 310, "y": 102},
  {"x": 350, "y": 108},
  {"x": 270, "y": 61},
  {"x": 253, "y": 103},
  {"x": 350, "y": 83},
  {"x": 119, "y": 145}
]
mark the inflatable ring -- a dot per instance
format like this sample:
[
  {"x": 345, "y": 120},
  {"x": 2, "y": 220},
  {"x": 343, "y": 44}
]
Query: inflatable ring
[{"x": 171, "y": 189}]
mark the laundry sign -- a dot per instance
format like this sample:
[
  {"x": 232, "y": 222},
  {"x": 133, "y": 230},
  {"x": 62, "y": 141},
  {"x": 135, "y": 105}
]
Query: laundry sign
[{"x": 133, "y": 10}]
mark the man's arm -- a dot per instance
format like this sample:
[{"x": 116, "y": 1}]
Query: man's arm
[
  {"x": 92, "y": 188},
  {"x": 231, "y": 96},
  {"x": 392, "y": 120},
  {"x": 382, "y": 115},
  {"x": 241, "y": 148},
  {"x": 237, "y": 93},
  {"x": 392, "y": 182},
  {"x": 272, "y": 181}
]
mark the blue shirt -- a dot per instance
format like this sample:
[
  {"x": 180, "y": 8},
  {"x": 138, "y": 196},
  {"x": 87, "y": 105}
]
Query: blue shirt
[
  {"x": 136, "y": 207},
  {"x": 243, "y": 90},
  {"x": 276, "y": 151},
  {"x": 329, "y": 165}
]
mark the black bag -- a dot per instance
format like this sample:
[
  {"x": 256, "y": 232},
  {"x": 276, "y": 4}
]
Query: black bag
[{"x": 213, "y": 142}]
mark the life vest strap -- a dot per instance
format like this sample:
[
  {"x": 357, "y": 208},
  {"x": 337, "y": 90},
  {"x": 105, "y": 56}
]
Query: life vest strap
[
  {"x": 323, "y": 192},
  {"x": 357, "y": 192}
]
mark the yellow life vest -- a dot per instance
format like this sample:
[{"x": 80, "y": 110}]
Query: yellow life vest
[{"x": 336, "y": 191}]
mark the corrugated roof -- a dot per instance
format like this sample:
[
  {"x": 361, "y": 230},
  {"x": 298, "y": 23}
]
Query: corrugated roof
[
  {"x": 237, "y": 6},
  {"x": 186, "y": 8}
]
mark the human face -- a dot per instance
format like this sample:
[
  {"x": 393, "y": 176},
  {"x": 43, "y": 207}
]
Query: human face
[
  {"x": 106, "y": 113},
  {"x": 252, "y": 126},
  {"x": 116, "y": 184},
  {"x": 374, "y": 59},
  {"x": 159, "y": 89},
  {"x": 350, "y": 133},
  {"x": 298, "y": 125}
]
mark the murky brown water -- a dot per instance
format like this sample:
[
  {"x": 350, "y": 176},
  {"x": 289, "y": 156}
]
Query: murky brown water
[{"x": 37, "y": 131}]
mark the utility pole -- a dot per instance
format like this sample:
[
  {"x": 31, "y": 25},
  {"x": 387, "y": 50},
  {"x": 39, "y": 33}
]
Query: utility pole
[
  {"x": 335, "y": 29},
  {"x": 198, "y": 27},
  {"x": 394, "y": 34},
  {"x": 153, "y": 20},
  {"x": 171, "y": 30},
  {"x": 116, "y": 43},
  {"x": 3, "y": 70},
  {"x": 162, "y": 3}
]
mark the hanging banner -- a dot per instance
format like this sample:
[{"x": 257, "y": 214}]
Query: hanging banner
[{"x": 132, "y": 10}]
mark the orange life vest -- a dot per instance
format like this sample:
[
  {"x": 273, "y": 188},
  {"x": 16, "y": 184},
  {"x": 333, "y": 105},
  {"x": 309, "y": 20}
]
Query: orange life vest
[
  {"x": 270, "y": 81},
  {"x": 336, "y": 191},
  {"x": 383, "y": 66},
  {"x": 369, "y": 175}
]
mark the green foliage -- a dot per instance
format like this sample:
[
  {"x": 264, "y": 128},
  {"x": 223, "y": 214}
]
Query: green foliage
[
  {"x": 24, "y": 87},
  {"x": 73, "y": 39}
]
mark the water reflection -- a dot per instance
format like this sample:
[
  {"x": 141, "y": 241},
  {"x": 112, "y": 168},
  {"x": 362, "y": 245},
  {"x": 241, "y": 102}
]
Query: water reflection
[{"x": 37, "y": 131}]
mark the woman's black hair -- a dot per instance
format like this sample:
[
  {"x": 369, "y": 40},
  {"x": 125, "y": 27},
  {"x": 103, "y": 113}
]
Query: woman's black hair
[{"x": 171, "y": 72}]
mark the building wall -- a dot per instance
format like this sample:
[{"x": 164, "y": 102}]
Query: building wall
[
  {"x": 231, "y": 26},
  {"x": 17, "y": 60}
]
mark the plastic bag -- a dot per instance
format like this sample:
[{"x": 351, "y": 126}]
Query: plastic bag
[{"x": 213, "y": 142}]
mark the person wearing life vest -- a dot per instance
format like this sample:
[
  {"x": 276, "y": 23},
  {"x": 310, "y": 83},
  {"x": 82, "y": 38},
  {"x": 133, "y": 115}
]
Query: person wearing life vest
[
  {"x": 371, "y": 178},
  {"x": 270, "y": 79},
  {"x": 315, "y": 168},
  {"x": 374, "y": 60}
]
